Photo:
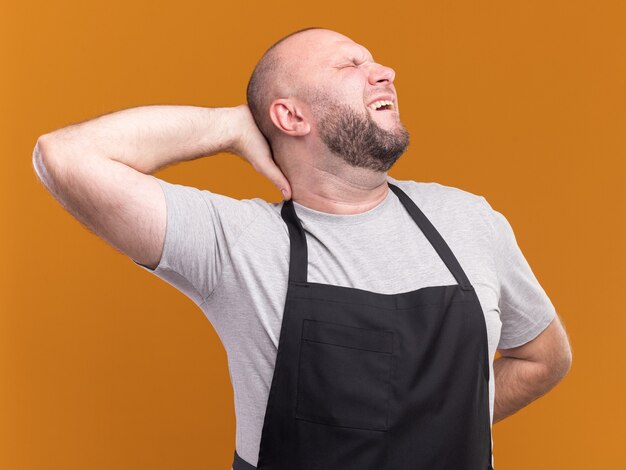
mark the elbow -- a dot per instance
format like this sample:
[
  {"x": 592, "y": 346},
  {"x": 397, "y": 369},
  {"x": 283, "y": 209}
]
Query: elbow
[
  {"x": 558, "y": 357},
  {"x": 558, "y": 367},
  {"x": 565, "y": 364},
  {"x": 42, "y": 147},
  {"x": 45, "y": 169},
  {"x": 40, "y": 153},
  {"x": 564, "y": 358},
  {"x": 37, "y": 160}
]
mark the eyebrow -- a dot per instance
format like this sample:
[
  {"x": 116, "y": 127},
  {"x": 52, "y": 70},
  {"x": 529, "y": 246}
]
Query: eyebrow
[
  {"x": 360, "y": 58},
  {"x": 358, "y": 53},
  {"x": 366, "y": 52}
]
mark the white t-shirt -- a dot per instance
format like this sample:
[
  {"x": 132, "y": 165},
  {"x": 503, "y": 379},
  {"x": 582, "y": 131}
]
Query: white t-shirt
[{"x": 231, "y": 257}]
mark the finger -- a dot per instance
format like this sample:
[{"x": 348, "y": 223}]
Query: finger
[{"x": 273, "y": 173}]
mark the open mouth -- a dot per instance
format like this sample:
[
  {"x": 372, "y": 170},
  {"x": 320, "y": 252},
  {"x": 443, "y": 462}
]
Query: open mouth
[{"x": 382, "y": 105}]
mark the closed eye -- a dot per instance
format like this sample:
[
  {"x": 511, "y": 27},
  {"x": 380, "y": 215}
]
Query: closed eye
[{"x": 355, "y": 63}]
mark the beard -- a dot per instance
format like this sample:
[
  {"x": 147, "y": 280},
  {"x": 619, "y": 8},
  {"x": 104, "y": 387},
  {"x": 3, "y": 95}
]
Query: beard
[{"x": 357, "y": 138}]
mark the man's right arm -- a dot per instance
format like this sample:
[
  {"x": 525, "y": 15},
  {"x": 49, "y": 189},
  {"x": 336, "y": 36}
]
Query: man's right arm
[{"x": 99, "y": 169}]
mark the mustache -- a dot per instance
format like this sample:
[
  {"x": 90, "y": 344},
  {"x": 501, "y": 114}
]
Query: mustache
[{"x": 380, "y": 91}]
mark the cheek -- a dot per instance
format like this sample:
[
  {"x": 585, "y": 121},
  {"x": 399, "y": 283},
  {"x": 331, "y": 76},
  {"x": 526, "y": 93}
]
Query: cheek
[
  {"x": 354, "y": 94},
  {"x": 354, "y": 84}
]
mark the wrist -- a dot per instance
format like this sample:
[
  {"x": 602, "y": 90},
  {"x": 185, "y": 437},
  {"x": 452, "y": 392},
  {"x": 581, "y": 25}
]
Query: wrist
[
  {"x": 216, "y": 130},
  {"x": 236, "y": 119}
]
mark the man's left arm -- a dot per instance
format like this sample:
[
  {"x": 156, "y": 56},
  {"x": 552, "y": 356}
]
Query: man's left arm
[{"x": 526, "y": 372}]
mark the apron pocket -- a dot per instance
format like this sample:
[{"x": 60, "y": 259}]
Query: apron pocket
[{"x": 344, "y": 375}]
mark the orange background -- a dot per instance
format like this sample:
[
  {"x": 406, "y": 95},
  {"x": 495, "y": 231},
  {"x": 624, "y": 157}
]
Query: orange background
[{"x": 103, "y": 366}]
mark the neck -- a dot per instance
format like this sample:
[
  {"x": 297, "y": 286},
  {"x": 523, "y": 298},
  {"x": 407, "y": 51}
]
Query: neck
[{"x": 331, "y": 185}]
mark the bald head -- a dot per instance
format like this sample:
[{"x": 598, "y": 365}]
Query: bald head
[{"x": 281, "y": 72}]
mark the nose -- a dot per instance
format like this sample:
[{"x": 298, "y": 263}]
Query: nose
[{"x": 381, "y": 74}]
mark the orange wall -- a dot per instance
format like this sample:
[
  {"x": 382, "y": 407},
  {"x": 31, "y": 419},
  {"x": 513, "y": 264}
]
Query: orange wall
[{"x": 103, "y": 366}]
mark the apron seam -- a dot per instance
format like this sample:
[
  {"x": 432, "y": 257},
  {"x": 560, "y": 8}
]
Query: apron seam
[{"x": 385, "y": 308}]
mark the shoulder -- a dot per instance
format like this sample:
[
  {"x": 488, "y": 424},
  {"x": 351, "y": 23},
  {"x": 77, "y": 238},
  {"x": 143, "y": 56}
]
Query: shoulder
[
  {"x": 450, "y": 207},
  {"x": 197, "y": 214},
  {"x": 436, "y": 196}
]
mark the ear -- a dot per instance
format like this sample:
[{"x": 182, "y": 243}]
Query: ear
[{"x": 288, "y": 118}]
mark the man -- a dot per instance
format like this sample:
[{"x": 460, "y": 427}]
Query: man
[{"x": 361, "y": 314}]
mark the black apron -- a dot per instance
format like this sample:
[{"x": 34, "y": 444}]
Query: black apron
[{"x": 371, "y": 381}]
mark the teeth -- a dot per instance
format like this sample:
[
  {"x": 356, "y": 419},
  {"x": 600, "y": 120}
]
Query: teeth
[{"x": 378, "y": 104}]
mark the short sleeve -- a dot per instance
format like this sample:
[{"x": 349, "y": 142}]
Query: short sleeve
[
  {"x": 202, "y": 228},
  {"x": 525, "y": 308}
]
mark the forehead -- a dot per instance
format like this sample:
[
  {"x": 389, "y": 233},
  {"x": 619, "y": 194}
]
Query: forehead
[
  {"x": 326, "y": 48},
  {"x": 339, "y": 50}
]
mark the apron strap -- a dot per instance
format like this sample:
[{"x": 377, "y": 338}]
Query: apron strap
[
  {"x": 241, "y": 464},
  {"x": 298, "y": 257},
  {"x": 434, "y": 237}
]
